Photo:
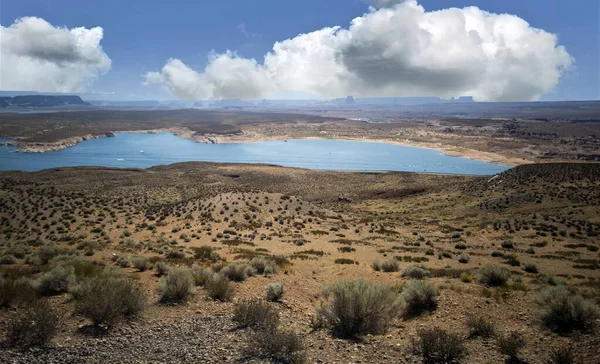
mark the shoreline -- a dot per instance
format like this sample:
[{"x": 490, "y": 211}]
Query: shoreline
[{"x": 253, "y": 137}]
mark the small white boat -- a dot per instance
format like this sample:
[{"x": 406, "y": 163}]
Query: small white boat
[
  {"x": 120, "y": 159},
  {"x": 142, "y": 151}
]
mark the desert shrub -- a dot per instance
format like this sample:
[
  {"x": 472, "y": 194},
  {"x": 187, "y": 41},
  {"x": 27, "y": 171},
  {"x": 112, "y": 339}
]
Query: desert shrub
[
  {"x": 271, "y": 269},
  {"x": 562, "y": 355},
  {"x": 274, "y": 291},
  {"x": 200, "y": 274},
  {"x": 206, "y": 253},
  {"x": 390, "y": 265},
  {"x": 175, "y": 254},
  {"x": 259, "y": 264},
  {"x": 464, "y": 258},
  {"x": 8, "y": 259},
  {"x": 563, "y": 311},
  {"x": 109, "y": 298},
  {"x": 161, "y": 268},
  {"x": 219, "y": 288},
  {"x": 345, "y": 261},
  {"x": 122, "y": 262},
  {"x": 35, "y": 326},
  {"x": 16, "y": 292},
  {"x": 255, "y": 314},
  {"x": 417, "y": 297},
  {"x": 176, "y": 286},
  {"x": 530, "y": 268},
  {"x": 238, "y": 272},
  {"x": 510, "y": 345},
  {"x": 55, "y": 281},
  {"x": 460, "y": 246},
  {"x": 276, "y": 346},
  {"x": 493, "y": 276},
  {"x": 480, "y": 326},
  {"x": 140, "y": 263},
  {"x": 18, "y": 251},
  {"x": 466, "y": 277},
  {"x": 356, "y": 308},
  {"x": 415, "y": 272},
  {"x": 439, "y": 346},
  {"x": 387, "y": 265}
]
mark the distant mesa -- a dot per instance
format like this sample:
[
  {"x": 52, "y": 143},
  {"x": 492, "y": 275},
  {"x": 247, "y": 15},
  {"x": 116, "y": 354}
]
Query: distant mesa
[
  {"x": 41, "y": 101},
  {"x": 349, "y": 100}
]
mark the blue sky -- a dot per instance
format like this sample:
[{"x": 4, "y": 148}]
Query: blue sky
[{"x": 141, "y": 38}]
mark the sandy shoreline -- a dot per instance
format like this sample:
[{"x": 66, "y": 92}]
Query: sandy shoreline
[{"x": 254, "y": 137}]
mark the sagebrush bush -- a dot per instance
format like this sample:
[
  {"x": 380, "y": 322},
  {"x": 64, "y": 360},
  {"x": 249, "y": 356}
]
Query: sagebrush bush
[
  {"x": 510, "y": 345},
  {"x": 493, "y": 276},
  {"x": 35, "y": 326},
  {"x": 415, "y": 272},
  {"x": 439, "y": 346},
  {"x": 562, "y": 355},
  {"x": 16, "y": 292},
  {"x": 417, "y": 297},
  {"x": 276, "y": 346},
  {"x": 464, "y": 258},
  {"x": 255, "y": 314},
  {"x": 176, "y": 286},
  {"x": 140, "y": 263},
  {"x": 161, "y": 268},
  {"x": 480, "y": 326},
  {"x": 530, "y": 268},
  {"x": 55, "y": 281},
  {"x": 200, "y": 274},
  {"x": 8, "y": 259},
  {"x": 386, "y": 265},
  {"x": 564, "y": 311},
  {"x": 275, "y": 291},
  {"x": 238, "y": 272},
  {"x": 356, "y": 308},
  {"x": 109, "y": 298},
  {"x": 219, "y": 288},
  {"x": 123, "y": 262}
]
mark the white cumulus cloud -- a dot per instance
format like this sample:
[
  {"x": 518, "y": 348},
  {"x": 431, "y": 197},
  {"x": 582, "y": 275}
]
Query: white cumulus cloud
[
  {"x": 396, "y": 49},
  {"x": 37, "y": 56}
]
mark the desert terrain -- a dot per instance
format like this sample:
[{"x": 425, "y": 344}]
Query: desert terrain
[{"x": 475, "y": 264}]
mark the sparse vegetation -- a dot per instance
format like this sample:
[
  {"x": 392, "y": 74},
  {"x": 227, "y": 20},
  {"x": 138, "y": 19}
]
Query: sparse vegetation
[
  {"x": 218, "y": 287},
  {"x": 109, "y": 298},
  {"x": 34, "y": 326},
  {"x": 510, "y": 345},
  {"x": 480, "y": 326},
  {"x": 355, "y": 308},
  {"x": 493, "y": 276},
  {"x": 438, "y": 346},
  {"x": 418, "y": 296},
  {"x": 176, "y": 286},
  {"x": 275, "y": 291},
  {"x": 564, "y": 312},
  {"x": 255, "y": 314}
]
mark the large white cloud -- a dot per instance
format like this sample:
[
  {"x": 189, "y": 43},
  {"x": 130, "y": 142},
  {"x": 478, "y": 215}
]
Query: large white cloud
[
  {"x": 37, "y": 56},
  {"x": 396, "y": 49}
]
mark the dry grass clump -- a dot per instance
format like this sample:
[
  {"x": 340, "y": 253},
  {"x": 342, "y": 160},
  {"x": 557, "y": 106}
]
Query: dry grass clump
[
  {"x": 275, "y": 291},
  {"x": 35, "y": 326},
  {"x": 176, "y": 286},
  {"x": 417, "y": 297},
  {"x": 356, "y": 308},
  {"x": 415, "y": 272},
  {"x": 16, "y": 292},
  {"x": 255, "y": 314},
  {"x": 564, "y": 312},
  {"x": 562, "y": 355},
  {"x": 55, "y": 281},
  {"x": 493, "y": 276},
  {"x": 387, "y": 265},
  {"x": 109, "y": 298},
  {"x": 264, "y": 266},
  {"x": 238, "y": 272},
  {"x": 276, "y": 346},
  {"x": 510, "y": 345},
  {"x": 140, "y": 263},
  {"x": 161, "y": 268},
  {"x": 480, "y": 326},
  {"x": 219, "y": 288},
  {"x": 436, "y": 345}
]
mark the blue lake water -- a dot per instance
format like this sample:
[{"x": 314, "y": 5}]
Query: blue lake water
[{"x": 128, "y": 150}]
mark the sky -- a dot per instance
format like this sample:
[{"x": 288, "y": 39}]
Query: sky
[{"x": 493, "y": 50}]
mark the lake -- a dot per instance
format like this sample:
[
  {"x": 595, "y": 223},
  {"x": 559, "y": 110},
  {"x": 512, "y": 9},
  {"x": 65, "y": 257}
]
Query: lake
[{"x": 136, "y": 150}]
